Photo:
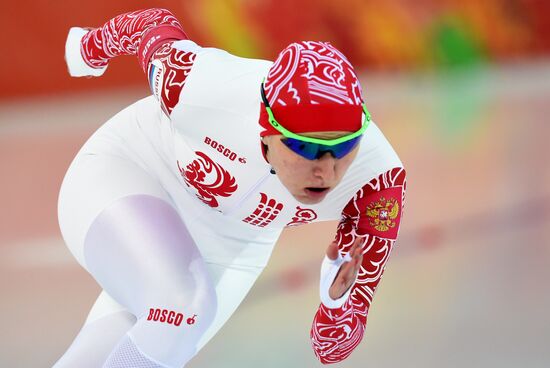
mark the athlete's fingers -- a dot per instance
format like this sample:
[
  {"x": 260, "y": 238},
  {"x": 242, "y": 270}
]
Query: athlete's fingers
[
  {"x": 342, "y": 283},
  {"x": 355, "y": 247},
  {"x": 332, "y": 251},
  {"x": 349, "y": 270},
  {"x": 358, "y": 251}
]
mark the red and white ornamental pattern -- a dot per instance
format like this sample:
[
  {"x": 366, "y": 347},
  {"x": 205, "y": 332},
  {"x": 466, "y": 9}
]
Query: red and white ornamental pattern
[
  {"x": 302, "y": 216},
  {"x": 326, "y": 70},
  {"x": 123, "y": 35},
  {"x": 175, "y": 67},
  {"x": 265, "y": 213},
  {"x": 312, "y": 87},
  {"x": 209, "y": 178},
  {"x": 336, "y": 332},
  {"x": 144, "y": 33}
]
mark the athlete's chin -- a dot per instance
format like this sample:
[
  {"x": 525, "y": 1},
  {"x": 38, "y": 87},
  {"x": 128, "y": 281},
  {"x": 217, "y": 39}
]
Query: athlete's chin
[
  {"x": 303, "y": 200},
  {"x": 308, "y": 196}
]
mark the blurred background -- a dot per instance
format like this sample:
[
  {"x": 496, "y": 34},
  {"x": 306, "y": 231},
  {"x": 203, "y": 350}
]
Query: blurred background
[{"x": 461, "y": 88}]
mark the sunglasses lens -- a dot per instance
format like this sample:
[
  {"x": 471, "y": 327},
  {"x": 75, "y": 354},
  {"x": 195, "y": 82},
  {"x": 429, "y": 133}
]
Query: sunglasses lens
[
  {"x": 313, "y": 151},
  {"x": 304, "y": 149},
  {"x": 342, "y": 149}
]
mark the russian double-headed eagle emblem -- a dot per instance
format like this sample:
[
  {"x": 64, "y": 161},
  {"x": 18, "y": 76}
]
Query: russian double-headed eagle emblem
[{"x": 382, "y": 214}]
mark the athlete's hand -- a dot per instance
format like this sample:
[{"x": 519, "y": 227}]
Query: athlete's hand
[
  {"x": 74, "y": 59},
  {"x": 348, "y": 271}
]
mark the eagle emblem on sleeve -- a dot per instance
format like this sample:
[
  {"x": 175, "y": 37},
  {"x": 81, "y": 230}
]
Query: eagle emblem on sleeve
[{"x": 382, "y": 214}]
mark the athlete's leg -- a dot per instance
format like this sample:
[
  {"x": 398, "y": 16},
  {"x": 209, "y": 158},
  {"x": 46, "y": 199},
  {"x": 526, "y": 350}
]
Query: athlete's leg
[
  {"x": 140, "y": 251},
  {"x": 119, "y": 223}
]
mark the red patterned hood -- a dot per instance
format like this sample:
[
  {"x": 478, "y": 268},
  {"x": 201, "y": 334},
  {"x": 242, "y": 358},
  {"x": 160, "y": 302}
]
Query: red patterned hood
[{"x": 312, "y": 87}]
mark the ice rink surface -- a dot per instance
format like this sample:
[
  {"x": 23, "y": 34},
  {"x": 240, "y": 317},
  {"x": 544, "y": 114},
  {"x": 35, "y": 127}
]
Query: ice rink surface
[{"x": 467, "y": 286}]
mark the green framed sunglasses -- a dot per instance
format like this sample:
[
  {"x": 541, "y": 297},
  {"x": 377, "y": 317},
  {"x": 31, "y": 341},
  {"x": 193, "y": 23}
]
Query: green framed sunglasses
[{"x": 313, "y": 148}]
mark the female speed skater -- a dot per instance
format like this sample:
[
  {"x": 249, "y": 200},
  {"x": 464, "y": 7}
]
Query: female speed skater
[{"x": 175, "y": 203}]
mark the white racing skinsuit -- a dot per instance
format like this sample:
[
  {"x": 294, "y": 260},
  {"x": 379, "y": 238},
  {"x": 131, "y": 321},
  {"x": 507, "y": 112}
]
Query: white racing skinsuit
[{"x": 173, "y": 209}]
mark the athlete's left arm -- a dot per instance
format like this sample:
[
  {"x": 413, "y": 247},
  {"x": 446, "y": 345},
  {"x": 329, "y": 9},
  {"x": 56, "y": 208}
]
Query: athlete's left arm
[
  {"x": 373, "y": 214},
  {"x": 148, "y": 34}
]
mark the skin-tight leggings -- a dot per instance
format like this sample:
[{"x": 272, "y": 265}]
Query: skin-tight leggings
[{"x": 139, "y": 250}]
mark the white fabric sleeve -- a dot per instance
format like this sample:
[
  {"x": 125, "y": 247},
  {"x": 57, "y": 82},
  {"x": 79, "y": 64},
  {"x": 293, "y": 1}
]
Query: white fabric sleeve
[
  {"x": 329, "y": 270},
  {"x": 75, "y": 63}
]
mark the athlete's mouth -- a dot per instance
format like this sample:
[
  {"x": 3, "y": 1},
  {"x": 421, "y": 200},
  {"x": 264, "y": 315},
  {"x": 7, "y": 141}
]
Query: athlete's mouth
[{"x": 317, "y": 189}]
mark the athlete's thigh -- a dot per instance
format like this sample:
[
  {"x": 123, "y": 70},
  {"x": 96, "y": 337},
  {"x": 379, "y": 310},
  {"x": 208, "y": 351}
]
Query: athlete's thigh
[
  {"x": 139, "y": 250},
  {"x": 92, "y": 183},
  {"x": 122, "y": 226}
]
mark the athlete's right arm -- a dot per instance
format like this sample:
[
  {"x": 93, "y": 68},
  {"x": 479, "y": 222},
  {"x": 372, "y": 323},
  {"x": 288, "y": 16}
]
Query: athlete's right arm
[{"x": 148, "y": 34}]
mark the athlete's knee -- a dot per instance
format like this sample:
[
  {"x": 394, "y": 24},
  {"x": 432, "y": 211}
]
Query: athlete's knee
[
  {"x": 198, "y": 313},
  {"x": 189, "y": 300},
  {"x": 171, "y": 327}
]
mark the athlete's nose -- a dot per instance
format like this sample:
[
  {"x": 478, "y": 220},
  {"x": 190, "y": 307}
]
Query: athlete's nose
[{"x": 325, "y": 167}]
